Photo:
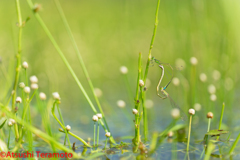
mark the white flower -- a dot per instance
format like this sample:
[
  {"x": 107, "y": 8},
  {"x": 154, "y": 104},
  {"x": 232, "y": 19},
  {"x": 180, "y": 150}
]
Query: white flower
[
  {"x": 176, "y": 81},
  {"x": 203, "y": 77},
  {"x": 33, "y": 79},
  {"x": 180, "y": 63},
  {"x": 27, "y": 89},
  {"x": 68, "y": 128},
  {"x": 95, "y": 118},
  {"x": 135, "y": 111},
  {"x": 19, "y": 100},
  {"x": 175, "y": 113},
  {"x": 123, "y": 70},
  {"x": 193, "y": 61},
  {"x": 12, "y": 120},
  {"x": 99, "y": 115},
  {"x": 121, "y": 103},
  {"x": 25, "y": 65},
  {"x": 10, "y": 123},
  {"x": 34, "y": 86},
  {"x": 108, "y": 134},
  {"x": 211, "y": 89},
  {"x": 141, "y": 83},
  {"x": 197, "y": 106},
  {"x": 56, "y": 96},
  {"x": 42, "y": 96},
  {"x": 21, "y": 85},
  {"x": 170, "y": 134},
  {"x": 191, "y": 111},
  {"x": 213, "y": 97},
  {"x": 98, "y": 92},
  {"x": 216, "y": 75}
]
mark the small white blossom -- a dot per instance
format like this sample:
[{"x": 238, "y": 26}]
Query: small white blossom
[
  {"x": 33, "y": 79},
  {"x": 25, "y": 65},
  {"x": 19, "y": 100},
  {"x": 135, "y": 111},
  {"x": 123, "y": 70},
  {"x": 175, "y": 113},
  {"x": 149, "y": 103},
  {"x": 193, "y": 61},
  {"x": 10, "y": 124},
  {"x": 141, "y": 83},
  {"x": 211, "y": 89},
  {"x": 99, "y": 115},
  {"x": 12, "y": 120},
  {"x": 98, "y": 92},
  {"x": 121, "y": 103},
  {"x": 27, "y": 89},
  {"x": 176, "y": 81},
  {"x": 42, "y": 96},
  {"x": 68, "y": 128},
  {"x": 191, "y": 111},
  {"x": 95, "y": 118},
  {"x": 197, "y": 106},
  {"x": 180, "y": 63},
  {"x": 56, "y": 96},
  {"x": 216, "y": 75},
  {"x": 213, "y": 97},
  {"x": 21, "y": 85},
  {"x": 108, "y": 134},
  {"x": 203, "y": 77},
  {"x": 170, "y": 134},
  {"x": 34, "y": 86}
]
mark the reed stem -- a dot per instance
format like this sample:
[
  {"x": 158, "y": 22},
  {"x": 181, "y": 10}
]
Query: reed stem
[{"x": 189, "y": 132}]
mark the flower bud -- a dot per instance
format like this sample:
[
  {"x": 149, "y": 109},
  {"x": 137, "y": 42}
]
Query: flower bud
[
  {"x": 34, "y": 86},
  {"x": 42, "y": 96},
  {"x": 68, "y": 128},
  {"x": 18, "y": 100},
  {"x": 21, "y": 85},
  {"x": 33, "y": 79},
  {"x": 191, "y": 111},
  {"x": 210, "y": 115},
  {"x": 56, "y": 96},
  {"x": 193, "y": 61},
  {"x": 99, "y": 115},
  {"x": 95, "y": 118},
  {"x": 25, "y": 65},
  {"x": 121, "y": 104},
  {"x": 108, "y": 134},
  {"x": 141, "y": 83},
  {"x": 135, "y": 111},
  {"x": 123, "y": 70},
  {"x": 27, "y": 89}
]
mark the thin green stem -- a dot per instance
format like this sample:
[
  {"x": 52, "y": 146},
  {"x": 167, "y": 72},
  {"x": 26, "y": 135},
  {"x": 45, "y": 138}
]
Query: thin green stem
[
  {"x": 234, "y": 144},
  {"x": 94, "y": 134},
  {"x": 146, "y": 71},
  {"x": 39, "y": 19},
  {"x": 106, "y": 143},
  {"x": 9, "y": 137},
  {"x": 209, "y": 123},
  {"x": 80, "y": 139},
  {"x": 97, "y": 134},
  {"x": 221, "y": 118},
  {"x": 137, "y": 101},
  {"x": 18, "y": 67},
  {"x": 60, "y": 115},
  {"x": 189, "y": 132}
]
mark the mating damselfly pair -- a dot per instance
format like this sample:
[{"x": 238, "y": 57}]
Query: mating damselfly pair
[{"x": 164, "y": 94}]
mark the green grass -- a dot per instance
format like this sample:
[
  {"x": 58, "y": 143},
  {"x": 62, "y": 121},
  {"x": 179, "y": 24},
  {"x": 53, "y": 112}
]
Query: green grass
[{"x": 109, "y": 35}]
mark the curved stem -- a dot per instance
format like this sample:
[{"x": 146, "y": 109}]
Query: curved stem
[{"x": 62, "y": 125}]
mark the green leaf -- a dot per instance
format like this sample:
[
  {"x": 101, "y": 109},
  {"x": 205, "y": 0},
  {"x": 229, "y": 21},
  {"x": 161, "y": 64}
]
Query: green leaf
[
  {"x": 216, "y": 132},
  {"x": 3, "y": 123}
]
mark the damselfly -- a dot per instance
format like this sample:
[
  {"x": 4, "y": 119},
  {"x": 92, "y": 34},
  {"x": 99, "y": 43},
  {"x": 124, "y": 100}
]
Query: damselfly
[
  {"x": 165, "y": 95},
  {"x": 153, "y": 59}
]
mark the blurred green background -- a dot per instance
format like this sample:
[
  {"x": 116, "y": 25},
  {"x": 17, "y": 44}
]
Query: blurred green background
[{"x": 110, "y": 34}]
